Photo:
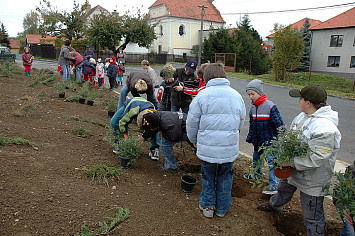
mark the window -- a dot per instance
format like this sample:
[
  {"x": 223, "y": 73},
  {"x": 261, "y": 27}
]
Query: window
[
  {"x": 182, "y": 30},
  {"x": 336, "y": 40},
  {"x": 333, "y": 61},
  {"x": 352, "y": 62},
  {"x": 160, "y": 30}
]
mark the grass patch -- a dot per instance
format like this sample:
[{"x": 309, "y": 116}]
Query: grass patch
[
  {"x": 334, "y": 85},
  {"x": 16, "y": 141},
  {"x": 95, "y": 122},
  {"x": 102, "y": 173},
  {"x": 7, "y": 69},
  {"x": 82, "y": 132},
  {"x": 107, "y": 227},
  {"x": 26, "y": 109},
  {"x": 44, "y": 76},
  {"x": 43, "y": 94}
]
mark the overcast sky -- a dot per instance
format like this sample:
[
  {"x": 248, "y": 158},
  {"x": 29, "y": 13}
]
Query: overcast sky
[{"x": 12, "y": 12}]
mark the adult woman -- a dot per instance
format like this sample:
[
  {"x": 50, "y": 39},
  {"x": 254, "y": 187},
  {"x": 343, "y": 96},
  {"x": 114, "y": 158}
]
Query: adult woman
[{"x": 121, "y": 56}]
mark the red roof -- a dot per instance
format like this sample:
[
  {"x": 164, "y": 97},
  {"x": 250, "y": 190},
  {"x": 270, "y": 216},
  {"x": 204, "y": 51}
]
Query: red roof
[
  {"x": 299, "y": 24},
  {"x": 14, "y": 43},
  {"x": 345, "y": 19},
  {"x": 190, "y": 9},
  {"x": 35, "y": 38}
]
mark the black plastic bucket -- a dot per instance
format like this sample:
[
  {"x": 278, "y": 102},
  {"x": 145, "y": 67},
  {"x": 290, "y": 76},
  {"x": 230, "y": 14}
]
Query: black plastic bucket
[
  {"x": 124, "y": 163},
  {"x": 82, "y": 100},
  {"x": 187, "y": 183}
]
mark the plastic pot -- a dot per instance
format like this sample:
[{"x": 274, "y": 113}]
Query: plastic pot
[
  {"x": 283, "y": 173},
  {"x": 82, "y": 100},
  {"x": 110, "y": 113},
  {"x": 90, "y": 102},
  {"x": 124, "y": 163},
  {"x": 187, "y": 183},
  {"x": 62, "y": 95}
]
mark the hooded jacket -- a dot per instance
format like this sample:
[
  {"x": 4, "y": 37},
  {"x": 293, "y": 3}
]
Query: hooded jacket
[
  {"x": 312, "y": 175},
  {"x": 214, "y": 121},
  {"x": 64, "y": 56},
  {"x": 179, "y": 98},
  {"x": 26, "y": 58},
  {"x": 172, "y": 124}
]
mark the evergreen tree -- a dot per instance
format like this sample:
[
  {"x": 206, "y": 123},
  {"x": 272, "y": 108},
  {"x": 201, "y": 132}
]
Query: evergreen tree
[
  {"x": 306, "y": 59},
  {"x": 4, "y": 37},
  {"x": 219, "y": 41}
]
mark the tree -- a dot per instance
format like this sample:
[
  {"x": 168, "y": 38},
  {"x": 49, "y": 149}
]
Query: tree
[
  {"x": 4, "y": 36},
  {"x": 135, "y": 29},
  {"x": 31, "y": 23},
  {"x": 287, "y": 51},
  {"x": 306, "y": 59},
  {"x": 63, "y": 24},
  {"x": 244, "y": 25},
  {"x": 105, "y": 30}
]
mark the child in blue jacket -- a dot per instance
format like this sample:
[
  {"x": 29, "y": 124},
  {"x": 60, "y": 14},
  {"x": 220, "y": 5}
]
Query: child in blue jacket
[{"x": 265, "y": 121}]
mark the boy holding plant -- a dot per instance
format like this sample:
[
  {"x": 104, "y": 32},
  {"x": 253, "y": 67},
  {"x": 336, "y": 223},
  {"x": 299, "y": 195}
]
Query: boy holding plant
[
  {"x": 311, "y": 175},
  {"x": 264, "y": 122}
]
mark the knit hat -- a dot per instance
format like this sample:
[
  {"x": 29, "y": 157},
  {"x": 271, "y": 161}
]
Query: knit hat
[
  {"x": 140, "y": 117},
  {"x": 145, "y": 62},
  {"x": 113, "y": 58},
  {"x": 256, "y": 85},
  {"x": 141, "y": 86},
  {"x": 92, "y": 61},
  {"x": 150, "y": 121},
  {"x": 313, "y": 93},
  {"x": 191, "y": 65}
]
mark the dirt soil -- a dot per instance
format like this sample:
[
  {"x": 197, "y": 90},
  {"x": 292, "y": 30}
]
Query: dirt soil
[{"x": 45, "y": 191}]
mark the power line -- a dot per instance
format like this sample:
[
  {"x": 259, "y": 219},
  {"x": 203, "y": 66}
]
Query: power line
[{"x": 281, "y": 11}]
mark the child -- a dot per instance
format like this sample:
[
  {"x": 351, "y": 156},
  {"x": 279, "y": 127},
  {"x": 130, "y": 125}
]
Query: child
[
  {"x": 264, "y": 123},
  {"x": 86, "y": 68},
  {"x": 194, "y": 87},
  {"x": 27, "y": 59},
  {"x": 121, "y": 70},
  {"x": 92, "y": 72},
  {"x": 112, "y": 73},
  {"x": 311, "y": 175},
  {"x": 59, "y": 69},
  {"x": 213, "y": 123},
  {"x": 100, "y": 71}
]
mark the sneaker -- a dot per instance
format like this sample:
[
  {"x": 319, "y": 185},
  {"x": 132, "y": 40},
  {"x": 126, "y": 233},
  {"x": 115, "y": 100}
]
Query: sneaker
[
  {"x": 220, "y": 215},
  {"x": 162, "y": 168},
  {"x": 154, "y": 154},
  {"x": 271, "y": 190},
  {"x": 116, "y": 151},
  {"x": 248, "y": 176},
  {"x": 207, "y": 211},
  {"x": 265, "y": 206}
]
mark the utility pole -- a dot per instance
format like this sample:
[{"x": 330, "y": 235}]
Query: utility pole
[{"x": 201, "y": 34}]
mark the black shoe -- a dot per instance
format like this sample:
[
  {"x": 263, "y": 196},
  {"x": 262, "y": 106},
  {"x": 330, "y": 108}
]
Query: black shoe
[
  {"x": 265, "y": 206},
  {"x": 162, "y": 168}
]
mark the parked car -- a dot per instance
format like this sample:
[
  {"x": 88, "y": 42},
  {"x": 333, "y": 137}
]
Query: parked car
[{"x": 6, "y": 54}]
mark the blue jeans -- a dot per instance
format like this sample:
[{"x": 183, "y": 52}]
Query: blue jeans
[
  {"x": 168, "y": 151},
  {"x": 154, "y": 142},
  {"x": 273, "y": 180},
  {"x": 347, "y": 230},
  {"x": 177, "y": 108},
  {"x": 78, "y": 72},
  {"x": 66, "y": 74},
  {"x": 216, "y": 195},
  {"x": 123, "y": 95}
]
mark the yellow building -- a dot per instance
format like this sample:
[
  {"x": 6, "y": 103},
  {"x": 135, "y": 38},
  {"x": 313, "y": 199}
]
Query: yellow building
[{"x": 178, "y": 24}]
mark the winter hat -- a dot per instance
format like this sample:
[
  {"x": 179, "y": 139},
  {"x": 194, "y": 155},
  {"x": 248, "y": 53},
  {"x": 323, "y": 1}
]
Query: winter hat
[
  {"x": 99, "y": 60},
  {"x": 141, "y": 86},
  {"x": 150, "y": 121},
  {"x": 313, "y": 93},
  {"x": 113, "y": 58},
  {"x": 92, "y": 61},
  {"x": 145, "y": 62},
  {"x": 256, "y": 85},
  {"x": 140, "y": 117}
]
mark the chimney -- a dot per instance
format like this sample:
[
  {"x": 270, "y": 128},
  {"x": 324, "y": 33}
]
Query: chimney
[
  {"x": 210, "y": 1},
  {"x": 88, "y": 8}
]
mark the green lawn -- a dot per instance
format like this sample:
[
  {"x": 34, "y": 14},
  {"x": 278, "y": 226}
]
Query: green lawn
[{"x": 334, "y": 85}]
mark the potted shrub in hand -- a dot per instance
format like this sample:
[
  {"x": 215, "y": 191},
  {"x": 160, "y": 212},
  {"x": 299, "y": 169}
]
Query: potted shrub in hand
[
  {"x": 129, "y": 150},
  {"x": 61, "y": 89},
  {"x": 83, "y": 92},
  {"x": 111, "y": 108}
]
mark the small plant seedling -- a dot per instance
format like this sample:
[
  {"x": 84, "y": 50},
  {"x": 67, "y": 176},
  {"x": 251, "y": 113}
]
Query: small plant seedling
[
  {"x": 16, "y": 141},
  {"x": 102, "y": 172},
  {"x": 111, "y": 105},
  {"x": 93, "y": 95},
  {"x": 82, "y": 132},
  {"x": 72, "y": 99},
  {"x": 107, "y": 228},
  {"x": 84, "y": 90},
  {"x": 60, "y": 87}
]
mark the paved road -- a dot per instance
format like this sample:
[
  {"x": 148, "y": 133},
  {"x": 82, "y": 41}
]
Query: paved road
[{"x": 287, "y": 106}]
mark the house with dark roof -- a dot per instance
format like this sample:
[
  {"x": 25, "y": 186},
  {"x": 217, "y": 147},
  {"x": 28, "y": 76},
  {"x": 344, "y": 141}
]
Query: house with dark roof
[
  {"x": 333, "y": 45},
  {"x": 297, "y": 25},
  {"x": 178, "y": 24}
]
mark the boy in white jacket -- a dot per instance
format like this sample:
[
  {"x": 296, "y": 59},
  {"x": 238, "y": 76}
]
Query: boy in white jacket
[{"x": 311, "y": 175}]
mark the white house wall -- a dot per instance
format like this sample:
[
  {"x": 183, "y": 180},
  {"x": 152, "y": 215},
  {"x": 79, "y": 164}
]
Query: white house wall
[{"x": 321, "y": 50}]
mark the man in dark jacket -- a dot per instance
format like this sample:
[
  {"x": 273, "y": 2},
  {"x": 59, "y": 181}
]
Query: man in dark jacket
[
  {"x": 137, "y": 83},
  {"x": 173, "y": 128},
  {"x": 179, "y": 99}
]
